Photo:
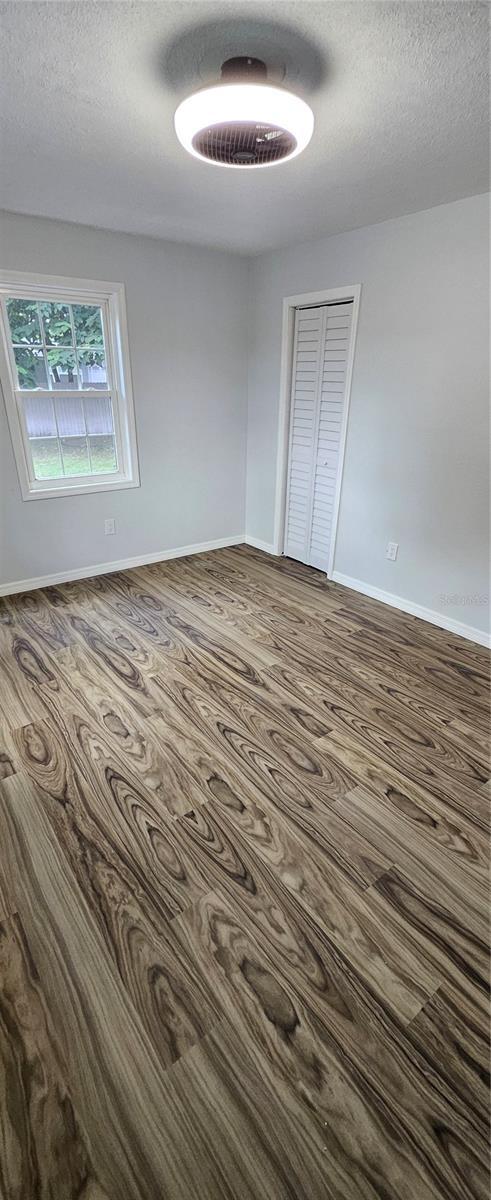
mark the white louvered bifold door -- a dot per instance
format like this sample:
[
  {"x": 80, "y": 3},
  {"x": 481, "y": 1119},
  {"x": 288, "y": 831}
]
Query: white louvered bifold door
[{"x": 321, "y": 347}]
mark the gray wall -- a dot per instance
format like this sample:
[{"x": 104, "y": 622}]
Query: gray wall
[
  {"x": 186, "y": 318},
  {"x": 417, "y": 452},
  {"x": 416, "y": 465}
]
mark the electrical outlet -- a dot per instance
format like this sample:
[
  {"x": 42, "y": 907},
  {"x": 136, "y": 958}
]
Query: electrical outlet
[
  {"x": 391, "y": 551},
  {"x": 109, "y": 525}
]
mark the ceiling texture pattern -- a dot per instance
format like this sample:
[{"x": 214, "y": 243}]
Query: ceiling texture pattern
[{"x": 88, "y": 93}]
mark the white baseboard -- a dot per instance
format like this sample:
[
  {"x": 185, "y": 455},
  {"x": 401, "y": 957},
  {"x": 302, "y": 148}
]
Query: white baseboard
[
  {"x": 142, "y": 560},
  {"x": 266, "y": 547},
  {"x": 122, "y": 564},
  {"x": 415, "y": 610}
]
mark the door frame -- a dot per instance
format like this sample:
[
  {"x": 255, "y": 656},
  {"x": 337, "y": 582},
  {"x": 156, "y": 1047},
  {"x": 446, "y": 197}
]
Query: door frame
[{"x": 290, "y": 304}]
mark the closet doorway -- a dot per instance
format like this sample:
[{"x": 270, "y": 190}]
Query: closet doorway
[{"x": 318, "y": 348}]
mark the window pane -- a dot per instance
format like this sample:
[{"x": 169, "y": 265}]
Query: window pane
[
  {"x": 57, "y": 324},
  {"x": 75, "y": 456},
  {"x": 24, "y": 321},
  {"x": 46, "y": 458},
  {"x": 103, "y": 455},
  {"x": 70, "y": 416},
  {"x": 92, "y": 368},
  {"x": 31, "y": 370},
  {"x": 62, "y": 369},
  {"x": 40, "y": 417},
  {"x": 99, "y": 414},
  {"x": 87, "y": 319}
]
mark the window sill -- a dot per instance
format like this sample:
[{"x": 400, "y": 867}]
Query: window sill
[{"x": 79, "y": 489}]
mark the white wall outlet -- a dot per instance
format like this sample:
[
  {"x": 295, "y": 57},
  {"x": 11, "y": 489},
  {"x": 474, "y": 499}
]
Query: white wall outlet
[
  {"x": 391, "y": 551},
  {"x": 109, "y": 525}
]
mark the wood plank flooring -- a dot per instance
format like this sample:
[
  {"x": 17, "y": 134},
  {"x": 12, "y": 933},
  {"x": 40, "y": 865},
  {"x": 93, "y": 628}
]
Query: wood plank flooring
[{"x": 243, "y": 891}]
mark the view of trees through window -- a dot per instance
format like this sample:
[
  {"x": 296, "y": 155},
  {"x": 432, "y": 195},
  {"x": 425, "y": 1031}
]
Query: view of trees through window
[
  {"x": 59, "y": 350},
  {"x": 57, "y": 345}
]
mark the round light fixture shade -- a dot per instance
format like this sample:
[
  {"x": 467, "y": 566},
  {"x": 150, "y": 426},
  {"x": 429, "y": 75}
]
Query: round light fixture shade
[{"x": 244, "y": 123}]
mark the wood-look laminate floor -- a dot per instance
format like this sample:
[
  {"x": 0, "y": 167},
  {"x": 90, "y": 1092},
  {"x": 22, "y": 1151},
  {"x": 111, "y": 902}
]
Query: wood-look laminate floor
[{"x": 244, "y": 891}]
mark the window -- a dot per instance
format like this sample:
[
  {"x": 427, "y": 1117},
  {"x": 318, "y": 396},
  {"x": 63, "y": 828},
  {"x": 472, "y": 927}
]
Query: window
[{"x": 65, "y": 373}]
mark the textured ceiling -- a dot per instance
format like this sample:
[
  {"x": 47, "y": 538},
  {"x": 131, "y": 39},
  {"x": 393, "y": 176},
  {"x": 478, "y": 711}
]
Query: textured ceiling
[{"x": 88, "y": 92}]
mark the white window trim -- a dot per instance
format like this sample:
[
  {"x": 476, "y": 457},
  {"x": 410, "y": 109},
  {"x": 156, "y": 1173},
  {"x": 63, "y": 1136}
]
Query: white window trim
[{"x": 111, "y": 297}]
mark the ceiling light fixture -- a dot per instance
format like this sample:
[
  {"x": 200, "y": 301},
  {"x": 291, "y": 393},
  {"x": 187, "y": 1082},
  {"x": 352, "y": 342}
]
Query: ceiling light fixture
[{"x": 244, "y": 121}]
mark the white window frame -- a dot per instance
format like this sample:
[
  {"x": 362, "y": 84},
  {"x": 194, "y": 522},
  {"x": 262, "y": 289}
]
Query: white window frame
[{"x": 111, "y": 299}]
